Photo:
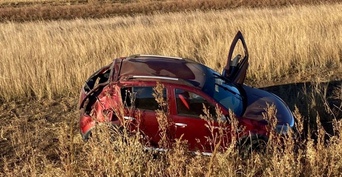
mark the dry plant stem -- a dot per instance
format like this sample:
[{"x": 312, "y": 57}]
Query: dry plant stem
[
  {"x": 163, "y": 119},
  {"x": 273, "y": 139}
]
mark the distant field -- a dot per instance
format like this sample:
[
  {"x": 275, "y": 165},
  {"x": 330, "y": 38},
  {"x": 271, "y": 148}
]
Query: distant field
[{"x": 13, "y": 10}]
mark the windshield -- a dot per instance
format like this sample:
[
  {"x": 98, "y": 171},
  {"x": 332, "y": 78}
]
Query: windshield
[{"x": 223, "y": 92}]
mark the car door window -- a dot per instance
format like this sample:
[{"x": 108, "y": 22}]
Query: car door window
[
  {"x": 140, "y": 97},
  {"x": 191, "y": 104}
]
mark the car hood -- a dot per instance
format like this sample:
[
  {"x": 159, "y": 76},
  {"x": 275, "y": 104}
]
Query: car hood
[{"x": 258, "y": 100}]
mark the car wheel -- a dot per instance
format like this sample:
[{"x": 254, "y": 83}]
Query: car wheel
[
  {"x": 252, "y": 144},
  {"x": 121, "y": 133}
]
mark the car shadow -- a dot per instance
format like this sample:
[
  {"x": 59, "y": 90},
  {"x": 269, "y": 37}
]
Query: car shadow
[{"x": 315, "y": 101}]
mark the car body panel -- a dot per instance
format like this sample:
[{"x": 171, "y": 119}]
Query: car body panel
[
  {"x": 259, "y": 100},
  {"x": 189, "y": 124}
]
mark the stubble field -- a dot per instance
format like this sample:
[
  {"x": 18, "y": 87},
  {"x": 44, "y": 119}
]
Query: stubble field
[{"x": 295, "y": 52}]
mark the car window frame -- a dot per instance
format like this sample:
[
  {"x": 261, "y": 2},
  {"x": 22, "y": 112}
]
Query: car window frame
[
  {"x": 173, "y": 101},
  {"x": 132, "y": 84}
]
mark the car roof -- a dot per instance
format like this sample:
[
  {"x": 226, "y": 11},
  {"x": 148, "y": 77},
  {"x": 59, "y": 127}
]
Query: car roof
[{"x": 157, "y": 67}]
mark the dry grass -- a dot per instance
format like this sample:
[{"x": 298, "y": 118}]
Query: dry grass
[
  {"x": 45, "y": 59},
  {"x": 52, "y": 59}
]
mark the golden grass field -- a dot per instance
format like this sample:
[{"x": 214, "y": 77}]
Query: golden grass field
[
  {"x": 44, "y": 59},
  {"x": 295, "y": 51}
]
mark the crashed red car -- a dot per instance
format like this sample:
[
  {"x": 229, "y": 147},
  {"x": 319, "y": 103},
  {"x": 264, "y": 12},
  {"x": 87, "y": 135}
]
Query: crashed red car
[{"x": 188, "y": 86}]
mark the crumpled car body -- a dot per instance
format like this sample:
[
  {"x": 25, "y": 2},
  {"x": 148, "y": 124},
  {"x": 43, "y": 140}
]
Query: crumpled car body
[{"x": 124, "y": 91}]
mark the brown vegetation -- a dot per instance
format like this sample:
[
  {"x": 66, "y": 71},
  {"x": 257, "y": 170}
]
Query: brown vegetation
[
  {"x": 296, "y": 50},
  {"x": 15, "y": 10}
]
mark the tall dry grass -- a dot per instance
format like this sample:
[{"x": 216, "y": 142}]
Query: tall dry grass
[
  {"x": 41, "y": 149},
  {"x": 51, "y": 58}
]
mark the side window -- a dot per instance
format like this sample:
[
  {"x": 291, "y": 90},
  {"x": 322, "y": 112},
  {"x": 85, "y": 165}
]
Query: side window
[
  {"x": 140, "y": 97},
  {"x": 189, "y": 103}
]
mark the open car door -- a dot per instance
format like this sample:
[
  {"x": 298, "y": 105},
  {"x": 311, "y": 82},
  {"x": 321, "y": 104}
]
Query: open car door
[{"x": 236, "y": 68}]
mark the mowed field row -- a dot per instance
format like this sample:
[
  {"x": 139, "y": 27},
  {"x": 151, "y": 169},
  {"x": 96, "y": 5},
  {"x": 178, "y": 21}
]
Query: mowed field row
[
  {"x": 28, "y": 10},
  {"x": 52, "y": 58}
]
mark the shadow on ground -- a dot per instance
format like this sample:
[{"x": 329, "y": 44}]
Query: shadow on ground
[{"x": 315, "y": 101}]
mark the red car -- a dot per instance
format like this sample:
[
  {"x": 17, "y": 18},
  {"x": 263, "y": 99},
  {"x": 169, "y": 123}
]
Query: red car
[{"x": 187, "y": 87}]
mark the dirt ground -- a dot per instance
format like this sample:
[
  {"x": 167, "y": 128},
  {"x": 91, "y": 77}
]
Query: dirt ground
[{"x": 37, "y": 124}]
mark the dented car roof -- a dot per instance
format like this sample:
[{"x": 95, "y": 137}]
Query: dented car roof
[{"x": 150, "y": 66}]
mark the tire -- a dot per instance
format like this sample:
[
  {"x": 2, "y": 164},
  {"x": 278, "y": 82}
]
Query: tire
[{"x": 252, "y": 144}]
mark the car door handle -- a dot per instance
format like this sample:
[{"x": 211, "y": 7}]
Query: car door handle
[
  {"x": 129, "y": 118},
  {"x": 180, "y": 125}
]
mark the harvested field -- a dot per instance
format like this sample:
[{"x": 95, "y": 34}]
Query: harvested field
[{"x": 33, "y": 10}]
